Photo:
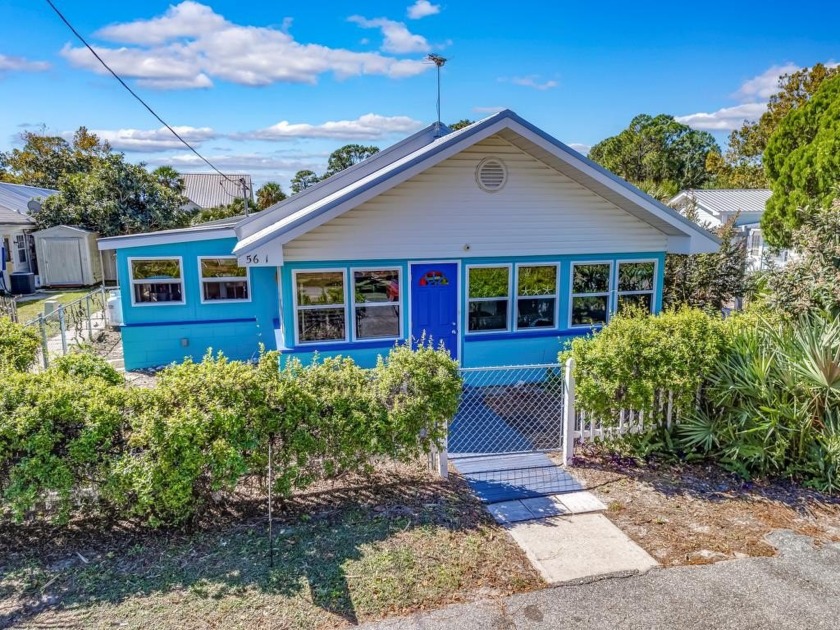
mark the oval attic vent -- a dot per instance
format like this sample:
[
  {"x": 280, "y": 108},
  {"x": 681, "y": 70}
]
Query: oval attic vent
[{"x": 491, "y": 174}]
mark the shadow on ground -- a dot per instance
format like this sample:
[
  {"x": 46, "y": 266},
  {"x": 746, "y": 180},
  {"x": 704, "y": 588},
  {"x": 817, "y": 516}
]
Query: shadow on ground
[{"x": 394, "y": 543}]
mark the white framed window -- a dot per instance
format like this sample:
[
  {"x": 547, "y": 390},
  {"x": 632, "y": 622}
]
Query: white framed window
[
  {"x": 536, "y": 296},
  {"x": 320, "y": 298},
  {"x": 488, "y": 298},
  {"x": 635, "y": 284},
  {"x": 20, "y": 243},
  {"x": 755, "y": 243},
  {"x": 590, "y": 298},
  {"x": 376, "y": 303},
  {"x": 156, "y": 280},
  {"x": 223, "y": 280}
]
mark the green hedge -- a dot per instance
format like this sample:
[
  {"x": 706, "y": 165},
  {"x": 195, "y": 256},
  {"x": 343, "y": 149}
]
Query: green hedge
[
  {"x": 76, "y": 439},
  {"x": 18, "y": 346}
]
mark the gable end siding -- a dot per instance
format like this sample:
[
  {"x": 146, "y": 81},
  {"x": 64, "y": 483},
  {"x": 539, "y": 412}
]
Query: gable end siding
[{"x": 440, "y": 212}]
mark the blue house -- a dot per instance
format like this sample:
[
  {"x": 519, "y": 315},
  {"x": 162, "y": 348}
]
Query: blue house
[{"x": 497, "y": 240}]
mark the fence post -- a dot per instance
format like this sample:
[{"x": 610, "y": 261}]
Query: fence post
[
  {"x": 569, "y": 413},
  {"x": 62, "y": 325},
  {"x": 89, "y": 317},
  {"x": 45, "y": 344}
]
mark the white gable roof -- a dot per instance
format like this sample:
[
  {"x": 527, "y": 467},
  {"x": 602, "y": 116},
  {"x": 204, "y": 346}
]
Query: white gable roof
[
  {"x": 726, "y": 200},
  {"x": 314, "y": 207}
]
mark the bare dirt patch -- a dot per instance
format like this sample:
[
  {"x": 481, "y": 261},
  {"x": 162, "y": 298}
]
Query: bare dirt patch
[
  {"x": 391, "y": 543},
  {"x": 699, "y": 514}
]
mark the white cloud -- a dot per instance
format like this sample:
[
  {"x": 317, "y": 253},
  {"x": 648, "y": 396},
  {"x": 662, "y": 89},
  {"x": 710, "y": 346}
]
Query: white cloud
[
  {"x": 752, "y": 99},
  {"x": 10, "y": 63},
  {"x": 765, "y": 84},
  {"x": 367, "y": 127},
  {"x": 724, "y": 119},
  {"x": 421, "y": 9},
  {"x": 531, "y": 81},
  {"x": 580, "y": 148},
  {"x": 152, "y": 140},
  {"x": 398, "y": 39},
  {"x": 191, "y": 45}
]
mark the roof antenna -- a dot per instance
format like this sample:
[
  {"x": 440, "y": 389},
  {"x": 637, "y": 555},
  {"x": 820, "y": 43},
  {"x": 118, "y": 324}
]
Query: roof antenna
[{"x": 439, "y": 62}]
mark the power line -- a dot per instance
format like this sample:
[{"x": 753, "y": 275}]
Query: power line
[{"x": 134, "y": 94}]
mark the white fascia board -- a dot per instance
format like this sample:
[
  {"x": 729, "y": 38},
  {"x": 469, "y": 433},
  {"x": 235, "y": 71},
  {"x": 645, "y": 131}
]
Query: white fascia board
[{"x": 145, "y": 240}]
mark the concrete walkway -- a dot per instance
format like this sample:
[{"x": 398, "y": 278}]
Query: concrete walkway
[{"x": 796, "y": 589}]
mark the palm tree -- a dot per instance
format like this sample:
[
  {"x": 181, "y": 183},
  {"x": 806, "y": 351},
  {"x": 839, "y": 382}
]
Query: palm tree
[
  {"x": 169, "y": 177},
  {"x": 269, "y": 194}
]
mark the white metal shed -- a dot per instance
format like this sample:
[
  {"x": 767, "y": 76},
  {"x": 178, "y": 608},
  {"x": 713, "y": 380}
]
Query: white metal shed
[{"x": 67, "y": 256}]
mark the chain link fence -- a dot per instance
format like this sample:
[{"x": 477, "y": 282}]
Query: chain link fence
[
  {"x": 8, "y": 308},
  {"x": 510, "y": 409},
  {"x": 70, "y": 325}
]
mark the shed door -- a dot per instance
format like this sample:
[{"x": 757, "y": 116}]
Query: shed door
[{"x": 63, "y": 261}]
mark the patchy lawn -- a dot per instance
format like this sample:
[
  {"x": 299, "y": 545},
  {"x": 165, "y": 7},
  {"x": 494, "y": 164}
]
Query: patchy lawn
[
  {"x": 399, "y": 543},
  {"x": 699, "y": 514},
  {"x": 30, "y": 309}
]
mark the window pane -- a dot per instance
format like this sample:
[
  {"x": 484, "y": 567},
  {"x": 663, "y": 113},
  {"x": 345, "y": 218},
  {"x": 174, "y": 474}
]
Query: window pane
[
  {"x": 643, "y": 300},
  {"x": 487, "y": 282},
  {"x": 491, "y": 315},
  {"x": 589, "y": 310},
  {"x": 148, "y": 292},
  {"x": 537, "y": 281},
  {"x": 233, "y": 290},
  {"x": 635, "y": 276},
  {"x": 321, "y": 324},
  {"x": 373, "y": 322},
  {"x": 154, "y": 269},
  {"x": 591, "y": 279},
  {"x": 377, "y": 286},
  {"x": 535, "y": 313},
  {"x": 222, "y": 268},
  {"x": 321, "y": 287}
]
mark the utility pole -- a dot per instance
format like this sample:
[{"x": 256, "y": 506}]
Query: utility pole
[
  {"x": 244, "y": 194},
  {"x": 439, "y": 62}
]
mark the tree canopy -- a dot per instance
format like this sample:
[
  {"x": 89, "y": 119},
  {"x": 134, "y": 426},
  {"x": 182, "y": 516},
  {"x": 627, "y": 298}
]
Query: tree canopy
[
  {"x": 802, "y": 162},
  {"x": 269, "y": 194},
  {"x": 45, "y": 159},
  {"x": 741, "y": 166},
  {"x": 658, "y": 154},
  {"x": 303, "y": 180},
  {"x": 348, "y": 155},
  {"x": 464, "y": 122},
  {"x": 114, "y": 198}
]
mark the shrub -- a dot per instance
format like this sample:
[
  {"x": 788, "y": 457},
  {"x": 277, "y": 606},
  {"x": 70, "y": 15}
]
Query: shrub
[
  {"x": 57, "y": 439},
  {"x": 83, "y": 365},
  {"x": 18, "y": 346},
  {"x": 636, "y": 355}
]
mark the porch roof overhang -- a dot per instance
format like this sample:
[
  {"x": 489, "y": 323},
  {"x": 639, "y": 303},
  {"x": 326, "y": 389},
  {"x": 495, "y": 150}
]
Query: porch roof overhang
[{"x": 683, "y": 235}]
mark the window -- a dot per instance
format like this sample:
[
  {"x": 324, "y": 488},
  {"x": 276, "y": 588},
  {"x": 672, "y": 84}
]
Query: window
[
  {"x": 536, "y": 296},
  {"x": 321, "y": 306},
  {"x": 20, "y": 241},
  {"x": 156, "y": 281},
  {"x": 376, "y": 303},
  {"x": 635, "y": 284},
  {"x": 755, "y": 244},
  {"x": 489, "y": 297},
  {"x": 590, "y": 293},
  {"x": 223, "y": 280}
]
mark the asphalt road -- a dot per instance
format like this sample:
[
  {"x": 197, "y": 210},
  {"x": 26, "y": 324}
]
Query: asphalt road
[{"x": 799, "y": 588}]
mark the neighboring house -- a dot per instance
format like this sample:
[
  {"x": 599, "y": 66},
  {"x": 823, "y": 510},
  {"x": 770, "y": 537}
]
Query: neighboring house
[
  {"x": 210, "y": 190},
  {"x": 716, "y": 207},
  {"x": 496, "y": 240},
  {"x": 17, "y": 203}
]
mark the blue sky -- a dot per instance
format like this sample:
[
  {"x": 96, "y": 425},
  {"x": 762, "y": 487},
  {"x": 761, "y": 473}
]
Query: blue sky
[{"x": 272, "y": 87}]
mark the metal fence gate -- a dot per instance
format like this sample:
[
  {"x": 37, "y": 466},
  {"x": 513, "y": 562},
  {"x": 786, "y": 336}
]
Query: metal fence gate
[{"x": 511, "y": 409}]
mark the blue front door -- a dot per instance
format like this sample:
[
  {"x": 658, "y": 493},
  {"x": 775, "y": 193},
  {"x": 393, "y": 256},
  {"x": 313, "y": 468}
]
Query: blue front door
[{"x": 434, "y": 304}]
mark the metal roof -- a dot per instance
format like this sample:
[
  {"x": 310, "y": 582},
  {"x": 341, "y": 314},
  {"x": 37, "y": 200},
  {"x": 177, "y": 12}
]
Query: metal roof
[
  {"x": 209, "y": 190},
  {"x": 727, "y": 200},
  {"x": 14, "y": 199},
  {"x": 220, "y": 228},
  {"x": 288, "y": 220}
]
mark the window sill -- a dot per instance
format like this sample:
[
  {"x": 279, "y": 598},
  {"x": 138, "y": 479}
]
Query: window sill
[
  {"x": 344, "y": 345},
  {"x": 525, "y": 334}
]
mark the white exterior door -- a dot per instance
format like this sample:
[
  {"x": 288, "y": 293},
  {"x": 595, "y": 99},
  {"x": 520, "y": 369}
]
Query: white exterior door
[{"x": 20, "y": 253}]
